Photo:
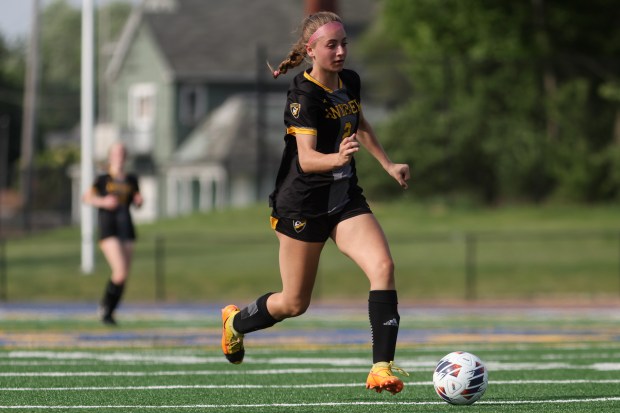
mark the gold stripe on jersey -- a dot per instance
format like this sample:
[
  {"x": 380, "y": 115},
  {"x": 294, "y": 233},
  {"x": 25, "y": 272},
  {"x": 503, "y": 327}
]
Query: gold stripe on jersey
[
  {"x": 294, "y": 130},
  {"x": 313, "y": 80}
]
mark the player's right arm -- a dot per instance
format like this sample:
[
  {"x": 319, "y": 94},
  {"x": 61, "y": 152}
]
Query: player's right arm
[
  {"x": 301, "y": 121},
  {"x": 313, "y": 161},
  {"x": 92, "y": 197}
]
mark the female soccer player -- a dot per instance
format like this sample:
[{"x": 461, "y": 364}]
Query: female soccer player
[
  {"x": 317, "y": 197},
  {"x": 113, "y": 193}
]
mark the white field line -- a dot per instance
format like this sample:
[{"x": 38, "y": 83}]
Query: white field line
[
  {"x": 435, "y": 348},
  {"x": 180, "y": 357},
  {"x": 341, "y": 366},
  {"x": 282, "y": 386},
  {"x": 499, "y": 363},
  {"x": 63, "y": 359},
  {"x": 267, "y": 372},
  {"x": 326, "y": 404},
  {"x": 342, "y": 370},
  {"x": 218, "y": 372},
  {"x": 112, "y": 357}
]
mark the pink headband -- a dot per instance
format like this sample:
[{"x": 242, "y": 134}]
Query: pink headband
[{"x": 321, "y": 30}]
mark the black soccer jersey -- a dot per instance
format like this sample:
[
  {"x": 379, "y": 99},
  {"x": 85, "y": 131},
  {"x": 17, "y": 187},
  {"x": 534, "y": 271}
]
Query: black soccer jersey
[
  {"x": 118, "y": 222},
  {"x": 330, "y": 115}
]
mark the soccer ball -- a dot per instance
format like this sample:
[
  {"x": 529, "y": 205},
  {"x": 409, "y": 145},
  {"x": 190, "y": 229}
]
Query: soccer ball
[{"x": 460, "y": 378}]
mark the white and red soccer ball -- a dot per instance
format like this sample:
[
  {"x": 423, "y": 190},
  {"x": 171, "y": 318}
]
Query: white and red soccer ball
[{"x": 460, "y": 378}]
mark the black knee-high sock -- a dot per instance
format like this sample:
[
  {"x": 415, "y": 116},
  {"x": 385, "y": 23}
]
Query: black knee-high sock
[
  {"x": 254, "y": 317},
  {"x": 384, "y": 321},
  {"x": 111, "y": 297}
]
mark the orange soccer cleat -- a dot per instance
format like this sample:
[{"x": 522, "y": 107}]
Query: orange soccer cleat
[
  {"x": 381, "y": 378},
  {"x": 232, "y": 342}
]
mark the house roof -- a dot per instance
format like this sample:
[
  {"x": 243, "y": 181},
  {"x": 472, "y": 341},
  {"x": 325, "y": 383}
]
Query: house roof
[
  {"x": 217, "y": 40},
  {"x": 230, "y": 133}
]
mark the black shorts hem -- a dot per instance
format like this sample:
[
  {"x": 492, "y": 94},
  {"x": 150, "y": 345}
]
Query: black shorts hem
[{"x": 318, "y": 229}]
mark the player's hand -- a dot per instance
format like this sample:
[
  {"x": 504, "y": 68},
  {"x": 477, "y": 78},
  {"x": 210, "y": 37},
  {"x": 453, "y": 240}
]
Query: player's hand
[
  {"x": 138, "y": 200},
  {"x": 109, "y": 202},
  {"x": 348, "y": 147},
  {"x": 400, "y": 172}
]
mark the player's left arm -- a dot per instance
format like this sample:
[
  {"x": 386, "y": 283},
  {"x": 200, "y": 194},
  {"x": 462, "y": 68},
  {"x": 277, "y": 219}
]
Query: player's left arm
[
  {"x": 367, "y": 137},
  {"x": 137, "y": 200}
]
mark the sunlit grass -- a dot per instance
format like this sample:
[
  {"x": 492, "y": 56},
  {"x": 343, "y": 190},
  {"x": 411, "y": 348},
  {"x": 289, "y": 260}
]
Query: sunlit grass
[{"x": 512, "y": 252}]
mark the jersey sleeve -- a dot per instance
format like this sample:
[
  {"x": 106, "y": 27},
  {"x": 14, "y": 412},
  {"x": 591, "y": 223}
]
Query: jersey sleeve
[
  {"x": 99, "y": 186},
  {"x": 133, "y": 181},
  {"x": 301, "y": 115}
]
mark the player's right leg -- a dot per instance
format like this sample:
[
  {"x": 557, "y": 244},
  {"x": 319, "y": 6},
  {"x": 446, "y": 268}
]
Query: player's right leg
[{"x": 361, "y": 238}]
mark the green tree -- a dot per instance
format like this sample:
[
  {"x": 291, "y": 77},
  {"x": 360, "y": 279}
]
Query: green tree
[
  {"x": 11, "y": 89},
  {"x": 59, "y": 84},
  {"x": 61, "y": 58},
  {"x": 59, "y": 104},
  {"x": 501, "y": 96}
]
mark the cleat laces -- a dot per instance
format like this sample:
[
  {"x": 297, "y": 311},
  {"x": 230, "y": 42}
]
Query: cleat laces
[
  {"x": 235, "y": 343},
  {"x": 397, "y": 369}
]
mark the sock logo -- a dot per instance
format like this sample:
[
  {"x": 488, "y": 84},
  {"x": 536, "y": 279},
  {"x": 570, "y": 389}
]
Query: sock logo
[{"x": 393, "y": 323}]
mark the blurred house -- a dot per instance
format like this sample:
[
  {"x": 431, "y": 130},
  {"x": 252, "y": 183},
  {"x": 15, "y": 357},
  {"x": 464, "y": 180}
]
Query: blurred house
[{"x": 190, "y": 94}]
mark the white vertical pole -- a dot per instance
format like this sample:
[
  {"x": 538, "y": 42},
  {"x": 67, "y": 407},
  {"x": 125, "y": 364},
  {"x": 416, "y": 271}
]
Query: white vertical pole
[
  {"x": 29, "y": 125},
  {"x": 87, "y": 111}
]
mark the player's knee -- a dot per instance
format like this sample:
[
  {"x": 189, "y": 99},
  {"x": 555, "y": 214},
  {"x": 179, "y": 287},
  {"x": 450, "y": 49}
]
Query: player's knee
[
  {"x": 119, "y": 276},
  {"x": 382, "y": 276},
  {"x": 385, "y": 268},
  {"x": 296, "y": 307}
]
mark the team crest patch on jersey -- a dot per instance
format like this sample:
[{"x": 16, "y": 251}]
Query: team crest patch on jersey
[
  {"x": 295, "y": 108},
  {"x": 299, "y": 225}
]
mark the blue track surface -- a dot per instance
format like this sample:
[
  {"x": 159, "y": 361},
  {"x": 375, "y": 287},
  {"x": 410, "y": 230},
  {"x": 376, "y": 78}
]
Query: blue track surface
[{"x": 198, "y": 325}]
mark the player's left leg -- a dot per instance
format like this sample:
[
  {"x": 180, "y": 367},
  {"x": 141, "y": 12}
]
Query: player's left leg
[
  {"x": 118, "y": 255},
  {"x": 362, "y": 239},
  {"x": 299, "y": 262}
]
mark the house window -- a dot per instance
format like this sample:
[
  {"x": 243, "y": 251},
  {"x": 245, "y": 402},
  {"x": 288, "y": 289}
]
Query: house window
[
  {"x": 192, "y": 104},
  {"x": 142, "y": 108}
]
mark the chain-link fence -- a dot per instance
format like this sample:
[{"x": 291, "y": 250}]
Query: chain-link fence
[{"x": 470, "y": 266}]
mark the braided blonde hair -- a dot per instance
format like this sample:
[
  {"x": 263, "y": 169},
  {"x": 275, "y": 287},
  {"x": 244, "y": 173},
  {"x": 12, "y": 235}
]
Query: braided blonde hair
[{"x": 298, "y": 52}]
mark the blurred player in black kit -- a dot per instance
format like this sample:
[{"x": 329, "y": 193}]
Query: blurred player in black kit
[
  {"x": 317, "y": 197},
  {"x": 112, "y": 194}
]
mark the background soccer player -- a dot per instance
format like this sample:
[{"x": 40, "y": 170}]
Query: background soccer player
[{"x": 113, "y": 193}]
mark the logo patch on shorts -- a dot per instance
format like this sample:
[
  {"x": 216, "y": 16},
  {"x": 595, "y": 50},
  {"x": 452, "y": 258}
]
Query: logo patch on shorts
[
  {"x": 295, "y": 108},
  {"x": 299, "y": 225}
]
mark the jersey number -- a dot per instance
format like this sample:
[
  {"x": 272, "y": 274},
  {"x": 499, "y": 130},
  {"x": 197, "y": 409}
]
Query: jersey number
[{"x": 347, "y": 130}]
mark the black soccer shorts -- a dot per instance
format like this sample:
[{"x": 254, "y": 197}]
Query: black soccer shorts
[{"x": 319, "y": 229}]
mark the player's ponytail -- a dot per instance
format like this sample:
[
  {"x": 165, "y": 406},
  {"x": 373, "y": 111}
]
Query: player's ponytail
[{"x": 298, "y": 52}]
